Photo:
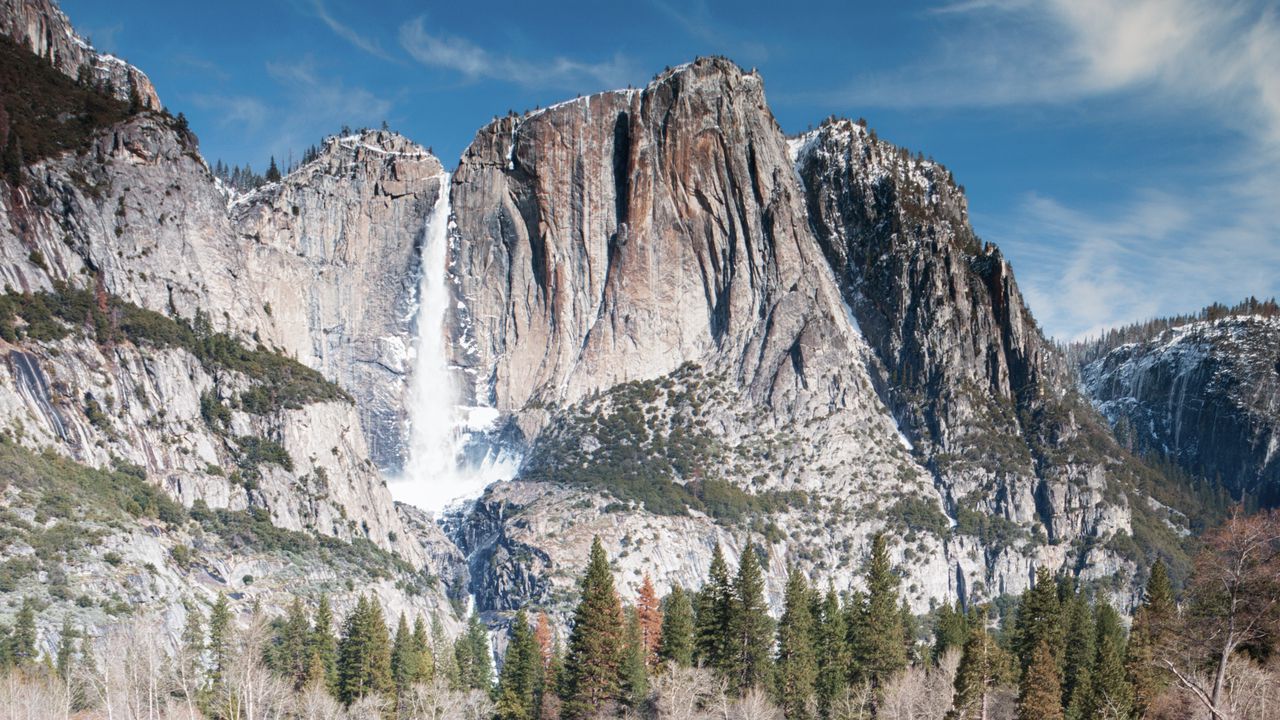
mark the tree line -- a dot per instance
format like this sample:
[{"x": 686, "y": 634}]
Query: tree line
[{"x": 1061, "y": 653}]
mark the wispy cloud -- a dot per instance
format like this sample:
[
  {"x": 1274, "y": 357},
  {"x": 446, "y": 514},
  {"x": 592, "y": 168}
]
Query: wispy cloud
[
  {"x": 348, "y": 33},
  {"x": 246, "y": 112},
  {"x": 1165, "y": 247},
  {"x": 327, "y": 99},
  {"x": 696, "y": 19},
  {"x": 440, "y": 50}
]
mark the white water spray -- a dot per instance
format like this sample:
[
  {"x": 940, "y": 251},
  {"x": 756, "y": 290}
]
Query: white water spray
[{"x": 437, "y": 473}]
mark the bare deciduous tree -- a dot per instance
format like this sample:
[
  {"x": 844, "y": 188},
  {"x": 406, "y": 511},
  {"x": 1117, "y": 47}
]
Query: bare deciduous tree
[{"x": 1233, "y": 601}]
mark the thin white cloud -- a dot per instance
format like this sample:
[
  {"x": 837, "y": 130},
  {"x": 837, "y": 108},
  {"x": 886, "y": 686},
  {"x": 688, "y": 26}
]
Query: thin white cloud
[
  {"x": 1154, "y": 253},
  {"x": 697, "y": 20},
  {"x": 346, "y": 32},
  {"x": 1166, "y": 247},
  {"x": 473, "y": 62},
  {"x": 247, "y": 112}
]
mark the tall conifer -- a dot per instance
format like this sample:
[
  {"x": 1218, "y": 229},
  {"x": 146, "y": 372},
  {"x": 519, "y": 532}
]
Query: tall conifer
[
  {"x": 796, "y": 669},
  {"x": 1040, "y": 693},
  {"x": 750, "y": 627},
  {"x": 676, "y": 645},
  {"x": 879, "y": 652},
  {"x": 714, "y": 608},
  {"x": 592, "y": 664}
]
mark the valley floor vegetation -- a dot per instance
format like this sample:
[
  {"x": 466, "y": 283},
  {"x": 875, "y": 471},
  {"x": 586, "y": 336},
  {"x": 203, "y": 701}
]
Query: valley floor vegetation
[{"x": 1206, "y": 651}]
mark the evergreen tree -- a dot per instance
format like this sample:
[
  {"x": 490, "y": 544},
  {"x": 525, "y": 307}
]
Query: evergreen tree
[
  {"x": 1078, "y": 657},
  {"x": 714, "y": 608},
  {"x": 1039, "y": 619},
  {"x": 879, "y": 652},
  {"x": 649, "y": 612},
  {"x": 13, "y": 160},
  {"x": 420, "y": 644},
  {"x": 1149, "y": 637},
  {"x": 66, "y": 656},
  {"x": 797, "y": 667},
  {"x": 364, "y": 653},
  {"x": 290, "y": 653},
  {"x": 219, "y": 640},
  {"x": 192, "y": 646},
  {"x": 405, "y": 661},
  {"x": 324, "y": 647},
  {"x": 591, "y": 667},
  {"x": 273, "y": 172},
  {"x": 676, "y": 644},
  {"x": 981, "y": 669},
  {"x": 590, "y": 678},
  {"x": 444, "y": 663},
  {"x": 474, "y": 659},
  {"x": 750, "y": 627},
  {"x": 1112, "y": 697},
  {"x": 22, "y": 639},
  {"x": 910, "y": 628},
  {"x": 1040, "y": 694},
  {"x": 634, "y": 680},
  {"x": 833, "y": 653},
  {"x": 950, "y": 630},
  {"x": 521, "y": 669}
]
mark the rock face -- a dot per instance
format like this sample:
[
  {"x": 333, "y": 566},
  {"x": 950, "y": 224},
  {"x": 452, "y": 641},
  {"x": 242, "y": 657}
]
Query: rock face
[
  {"x": 693, "y": 329},
  {"x": 43, "y": 28},
  {"x": 335, "y": 249},
  {"x": 959, "y": 361},
  {"x": 850, "y": 339},
  {"x": 1205, "y": 396}
]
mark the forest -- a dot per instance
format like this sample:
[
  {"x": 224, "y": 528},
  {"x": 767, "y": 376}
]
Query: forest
[{"x": 1206, "y": 650}]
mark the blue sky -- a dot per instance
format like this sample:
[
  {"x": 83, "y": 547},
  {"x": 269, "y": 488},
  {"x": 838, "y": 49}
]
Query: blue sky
[{"x": 1125, "y": 154}]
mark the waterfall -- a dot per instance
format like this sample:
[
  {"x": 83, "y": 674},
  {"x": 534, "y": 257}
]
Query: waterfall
[{"x": 444, "y": 463}]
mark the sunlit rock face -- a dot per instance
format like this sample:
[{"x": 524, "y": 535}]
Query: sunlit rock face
[{"x": 834, "y": 301}]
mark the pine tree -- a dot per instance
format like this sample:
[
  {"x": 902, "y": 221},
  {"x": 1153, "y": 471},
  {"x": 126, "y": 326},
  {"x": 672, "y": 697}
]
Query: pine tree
[
  {"x": 910, "y": 628},
  {"x": 324, "y": 646},
  {"x": 750, "y": 627},
  {"x": 1078, "y": 657},
  {"x": 364, "y": 653},
  {"x": 879, "y": 653},
  {"x": 649, "y": 612},
  {"x": 797, "y": 667},
  {"x": 405, "y": 660},
  {"x": 290, "y": 653},
  {"x": 833, "y": 653},
  {"x": 22, "y": 639},
  {"x": 950, "y": 630},
  {"x": 219, "y": 640},
  {"x": 273, "y": 172},
  {"x": 420, "y": 644},
  {"x": 474, "y": 659},
  {"x": 1112, "y": 697},
  {"x": 981, "y": 669},
  {"x": 13, "y": 160},
  {"x": 66, "y": 656},
  {"x": 591, "y": 667},
  {"x": 714, "y": 608},
  {"x": 1039, "y": 619},
  {"x": 676, "y": 644},
  {"x": 444, "y": 662},
  {"x": 634, "y": 680},
  {"x": 521, "y": 669},
  {"x": 1040, "y": 694},
  {"x": 192, "y": 642},
  {"x": 1148, "y": 638}
]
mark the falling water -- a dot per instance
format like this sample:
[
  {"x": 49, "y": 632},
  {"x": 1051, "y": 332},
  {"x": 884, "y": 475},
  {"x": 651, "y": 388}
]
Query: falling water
[{"x": 441, "y": 467}]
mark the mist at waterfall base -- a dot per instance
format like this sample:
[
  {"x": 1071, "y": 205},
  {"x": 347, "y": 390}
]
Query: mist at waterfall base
[{"x": 444, "y": 465}]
